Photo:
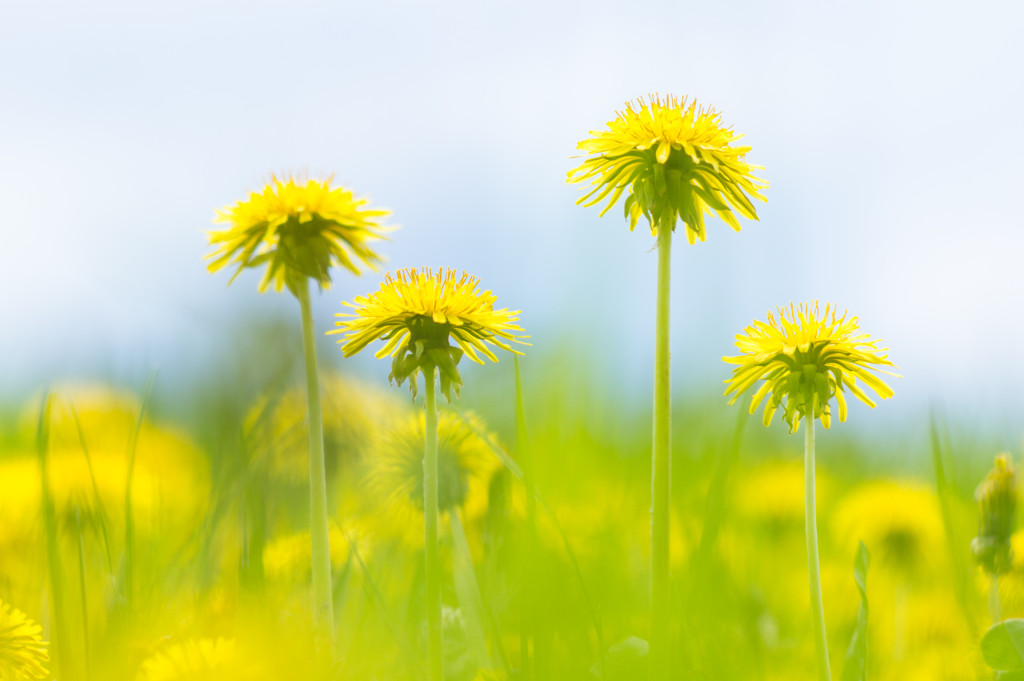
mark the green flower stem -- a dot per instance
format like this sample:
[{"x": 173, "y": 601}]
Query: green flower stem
[
  {"x": 993, "y": 598},
  {"x": 810, "y": 517},
  {"x": 323, "y": 605},
  {"x": 435, "y": 662},
  {"x": 661, "y": 468}
]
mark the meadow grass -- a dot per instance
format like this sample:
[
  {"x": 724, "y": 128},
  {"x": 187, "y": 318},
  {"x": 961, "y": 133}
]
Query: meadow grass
[{"x": 543, "y": 565}]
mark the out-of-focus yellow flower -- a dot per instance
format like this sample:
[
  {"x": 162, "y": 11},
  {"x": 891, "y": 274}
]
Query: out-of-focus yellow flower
[
  {"x": 170, "y": 479},
  {"x": 417, "y": 313},
  {"x": 395, "y": 472},
  {"x": 997, "y": 501},
  {"x": 197, "y": 660},
  {"x": 773, "y": 493},
  {"x": 299, "y": 230},
  {"x": 900, "y": 523},
  {"x": 278, "y": 434},
  {"x": 806, "y": 358},
  {"x": 677, "y": 162},
  {"x": 22, "y": 648},
  {"x": 290, "y": 557}
]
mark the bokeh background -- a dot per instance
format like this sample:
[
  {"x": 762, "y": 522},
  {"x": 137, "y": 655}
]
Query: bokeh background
[{"x": 890, "y": 134}]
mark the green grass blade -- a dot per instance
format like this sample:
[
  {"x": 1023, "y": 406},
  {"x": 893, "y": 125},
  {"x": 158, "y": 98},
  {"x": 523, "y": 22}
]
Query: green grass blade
[
  {"x": 855, "y": 666},
  {"x": 961, "y": 572},
  {"x": 64, "y": 669},
  {"x": 468, "y": 592},
  {"x": 101, "y": 513},
  {"x": 129, "y": 524}
]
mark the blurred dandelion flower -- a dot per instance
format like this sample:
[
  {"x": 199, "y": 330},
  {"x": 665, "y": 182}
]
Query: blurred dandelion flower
[
  {"x": 465, "y": 467},
  {"x": 277, "y": 429},
  {"x": 677, "y": 162},
  {"x": 417, "y": 313},
  {"x": 290, "y": 557},
  {"x": 22, "y": 648},
  {"x": 899, "y": 522},
  {"x": 195, "y": 660},
  {"x": 806, "y": 358},
  {"x": 299, "y": 230}
]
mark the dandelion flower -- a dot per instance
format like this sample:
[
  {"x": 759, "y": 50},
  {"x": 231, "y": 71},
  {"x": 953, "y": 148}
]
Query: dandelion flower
[
  {"x": 899, "y": 522},
  {"x": 277, "y": 428},
  {"x": 676, "y": 160},
  {"x": 195, "y": 660},
  {"x": 22, "y": 648},
  {"x": 806, "y": 358},
  {"x": 417, "y": 313},
  {"x": 299, "y": 230},
  {"x": 465, "y": 467}
]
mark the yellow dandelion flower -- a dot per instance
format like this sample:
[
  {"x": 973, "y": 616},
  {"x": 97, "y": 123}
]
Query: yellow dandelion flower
[
  {"x": 417, "y": 313},
  {"x": 290, "y": 557},
  {"x": 299, "y": 230},
  {"x": 899, "y": 522},
  {"x": 277, "y": 429},
  {"x": 677, "y": 162},
  {"x": 22, "y": 648},
  {"x": 465, "y": 467},
  {"x": 197, "y": 660},
  {"x": 806, "y": 358}
]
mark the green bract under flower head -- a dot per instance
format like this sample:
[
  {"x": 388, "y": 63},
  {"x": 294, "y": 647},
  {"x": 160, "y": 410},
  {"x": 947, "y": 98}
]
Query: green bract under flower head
[
  {"x": 806, "y": 358},
  {"x": 299, "y": 230},
  {"x": 417, "y": 313},
  {"x": 677, "y": 163}
]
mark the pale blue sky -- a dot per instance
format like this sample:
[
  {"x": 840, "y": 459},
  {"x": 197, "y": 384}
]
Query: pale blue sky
[{"x": 891, "y": 134}]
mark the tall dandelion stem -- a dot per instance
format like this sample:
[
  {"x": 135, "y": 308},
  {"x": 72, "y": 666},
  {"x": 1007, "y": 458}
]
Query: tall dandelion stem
[
  {"x": 661, "y": 468},
  {"x": 323, "y": 606},
  {"x": 432, "y": 558},
  {"x": 993, "y": 599},
  {"x": 810, "y": 516}
]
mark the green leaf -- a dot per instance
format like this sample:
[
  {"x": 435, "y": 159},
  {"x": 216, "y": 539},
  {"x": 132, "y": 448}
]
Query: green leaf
[
  {"x": 855, "y": 665},
  {"x": 1002, "y": 646},
  {"x": 1017, "y": 675}
]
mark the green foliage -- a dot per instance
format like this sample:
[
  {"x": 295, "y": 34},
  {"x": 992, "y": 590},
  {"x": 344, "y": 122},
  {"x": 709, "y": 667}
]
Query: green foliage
[{"x": 1002, "y": 646}]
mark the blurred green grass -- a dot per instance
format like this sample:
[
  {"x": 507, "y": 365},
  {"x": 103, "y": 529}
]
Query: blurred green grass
[{"x": 220, "y": 536}]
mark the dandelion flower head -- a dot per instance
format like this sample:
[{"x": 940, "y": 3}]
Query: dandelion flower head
[
  {"x": 900, "y": 522},
  {"x": 299, "y": 230},
  {"x": 675, "y": 160},
  {"x": 805, "y": 358},
  {"x": 465, "y": 463},
  {"x": 417, "y": 313},
  {"x": 22, "y": 649},
  {"x": 198, "y": 660}
]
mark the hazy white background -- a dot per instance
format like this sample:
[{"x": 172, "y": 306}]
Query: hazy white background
[{"x": 891, "y": 134}]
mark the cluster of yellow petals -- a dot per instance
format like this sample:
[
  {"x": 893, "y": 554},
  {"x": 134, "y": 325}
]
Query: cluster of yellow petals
[
  {"x": 676, "y": 161},
  {"x": 22, "y": 649},
  {"x": 452, "y": 302},
  {"x": 805, "y": 358},
  {"x": 297, "y": 229}
]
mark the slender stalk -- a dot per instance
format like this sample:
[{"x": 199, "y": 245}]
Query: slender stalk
[
  {"x": 323, "y": 603},
  {"x": 129, "y": 517},
  {"x": 432, "y": 558},
  {"x": 58, "y": 610},
  {"x": 86, "y": 646},
  {"x": 528, "y": 605},
  {"x": 993, "y": 598},
  {"x": 661, "y": 470},
  {"x": 810, "y": 517}
]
